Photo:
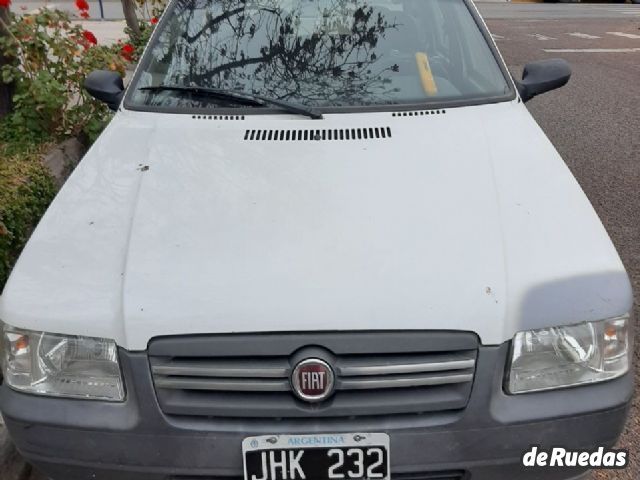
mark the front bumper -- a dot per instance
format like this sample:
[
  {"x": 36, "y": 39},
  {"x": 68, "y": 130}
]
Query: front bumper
[{"x": 76, "y": 439}]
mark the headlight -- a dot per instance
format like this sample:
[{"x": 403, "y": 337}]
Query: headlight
[
  {"x": 561, "y": 357},
  {"x": 61, "y": 366}
]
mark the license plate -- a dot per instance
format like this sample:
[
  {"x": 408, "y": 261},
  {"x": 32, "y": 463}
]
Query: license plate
[{"x": 349, "y": 456}]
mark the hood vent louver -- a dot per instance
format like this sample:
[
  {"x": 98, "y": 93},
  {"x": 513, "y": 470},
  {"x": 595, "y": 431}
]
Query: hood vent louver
[
  {"x": 217, "y": 117},
  {"x": 313, "y": 135},
  {"x": 418, "y": 113}
]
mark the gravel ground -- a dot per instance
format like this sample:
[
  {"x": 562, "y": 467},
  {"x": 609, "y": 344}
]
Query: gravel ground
[{"x": 594, "y": 124}]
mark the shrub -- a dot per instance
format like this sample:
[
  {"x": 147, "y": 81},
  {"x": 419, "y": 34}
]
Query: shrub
[
  {"x": 48, "y": 60},
  {"x": 151, "y": 11},
  {"x": 51, "y": 57},
  {"x": 26, "y": 189},
  {"x": 132, "y": 50}
]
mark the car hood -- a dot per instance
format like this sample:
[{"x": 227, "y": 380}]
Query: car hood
[{"x": 178, "y": 224}]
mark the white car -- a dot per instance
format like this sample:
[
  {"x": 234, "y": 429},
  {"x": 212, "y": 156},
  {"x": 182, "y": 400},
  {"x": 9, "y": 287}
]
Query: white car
[{"x": 320, "y": 239}]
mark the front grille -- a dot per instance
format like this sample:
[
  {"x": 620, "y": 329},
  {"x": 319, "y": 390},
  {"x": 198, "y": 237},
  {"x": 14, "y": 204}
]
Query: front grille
[
  {"x": 359, "y": 373},
  {"x": 376, "y": 373}
]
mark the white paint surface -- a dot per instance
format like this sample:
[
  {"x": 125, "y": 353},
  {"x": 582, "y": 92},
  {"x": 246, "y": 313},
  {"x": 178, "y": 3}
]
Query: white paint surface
[
  {"x": 635, "y": 11},
  {"x": 592, "y": 50},
  {"x": 626, "y": 35},
  {"x": 583, "y": 35},
  {"x": 541, "y": 37}
]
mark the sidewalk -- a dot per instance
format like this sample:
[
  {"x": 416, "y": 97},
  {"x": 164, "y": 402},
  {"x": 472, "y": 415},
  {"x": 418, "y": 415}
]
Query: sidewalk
[
  {"x": 107, "y": 32},
  {"x": 112, "y": 9}
]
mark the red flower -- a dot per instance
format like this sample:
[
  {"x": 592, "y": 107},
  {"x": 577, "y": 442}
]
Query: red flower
[
  {"x": 81, "y": 5},
  {"x": 84, "y": 14},
  {"x": 5, "y": 3},
  {"x": 127, "y": 51},
  {"x": 153, "y": 20},
  {"x": 90, "y": 37}
]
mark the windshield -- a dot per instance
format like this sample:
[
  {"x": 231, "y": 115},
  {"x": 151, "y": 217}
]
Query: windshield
[{"x": 318, "y": 53}]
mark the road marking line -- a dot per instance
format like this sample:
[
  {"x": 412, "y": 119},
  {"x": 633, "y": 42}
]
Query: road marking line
[
  {"x": 625, "y": 11},
  {"x": 591, "y": 50},
  {"x": 541, "y": 37},
  {"x": 497, "y": 37},
  {"x": 622, "y": 34},
  {"x": 583, "y": 35}
]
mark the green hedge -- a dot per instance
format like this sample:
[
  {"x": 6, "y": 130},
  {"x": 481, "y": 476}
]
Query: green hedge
[{"x": 26, "y": 189}]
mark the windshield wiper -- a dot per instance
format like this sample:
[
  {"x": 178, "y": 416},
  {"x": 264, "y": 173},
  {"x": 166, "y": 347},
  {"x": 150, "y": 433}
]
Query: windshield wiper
[{"x": 239, "y": 97}]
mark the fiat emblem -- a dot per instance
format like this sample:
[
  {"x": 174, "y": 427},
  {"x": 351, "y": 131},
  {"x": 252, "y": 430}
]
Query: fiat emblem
[{"x": 312, "y": 380}]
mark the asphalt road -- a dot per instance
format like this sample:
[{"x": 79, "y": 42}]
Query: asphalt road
[
  {"x": 557, "y": 11},
  {"x": 593, "y": 122}
]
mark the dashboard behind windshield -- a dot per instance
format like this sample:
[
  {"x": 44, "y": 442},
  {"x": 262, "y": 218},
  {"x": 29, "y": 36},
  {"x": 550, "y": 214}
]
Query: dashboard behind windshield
[{"x": 319, "y": 53}]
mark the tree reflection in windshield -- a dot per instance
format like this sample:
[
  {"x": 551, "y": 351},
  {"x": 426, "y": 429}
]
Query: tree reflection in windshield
[
  {"x": 314, "y": 53},
  {"x": 320, "y": 53}
]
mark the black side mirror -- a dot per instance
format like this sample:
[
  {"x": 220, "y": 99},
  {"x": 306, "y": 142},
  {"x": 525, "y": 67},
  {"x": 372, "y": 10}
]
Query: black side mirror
[
  {"x": 543, "y": 76},
  {"x": 106, "y": 86}
]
